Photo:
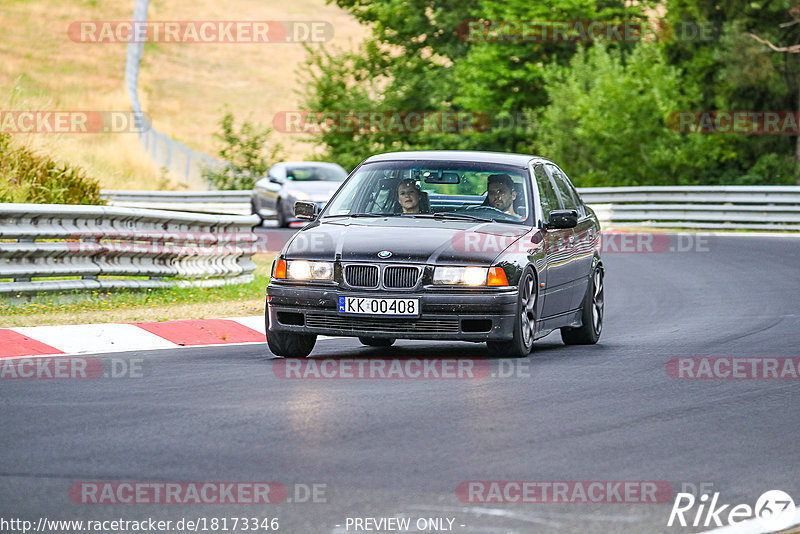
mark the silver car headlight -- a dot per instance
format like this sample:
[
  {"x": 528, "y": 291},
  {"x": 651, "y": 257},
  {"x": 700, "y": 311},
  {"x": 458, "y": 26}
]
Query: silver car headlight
[
  {"x": 309, "y": 270},
  {"x": 468, "y": 276}
]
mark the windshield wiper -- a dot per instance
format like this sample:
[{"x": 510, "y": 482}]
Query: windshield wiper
[
  {"x": 459, "y": 216},
  {"x": 360, "y": 215}
]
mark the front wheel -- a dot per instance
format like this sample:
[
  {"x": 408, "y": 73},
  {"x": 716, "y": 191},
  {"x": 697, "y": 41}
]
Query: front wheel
[
  {"x": 289, "y": 344},
  {"x": 524, "y": 326},
  {"x": 254, "y": 208},
  {"x": 591, "y": 315},
  {"x": 280, "y": 214}
]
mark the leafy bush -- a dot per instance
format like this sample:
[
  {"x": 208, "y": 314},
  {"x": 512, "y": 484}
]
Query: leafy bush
[
  {"x": 28, "y": 177},
  {"x": 243, "y": 154},
  {"x": 607, "y": 122}
]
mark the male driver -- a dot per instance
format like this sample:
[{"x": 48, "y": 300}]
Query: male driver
[{"x": 501, "y": 193}]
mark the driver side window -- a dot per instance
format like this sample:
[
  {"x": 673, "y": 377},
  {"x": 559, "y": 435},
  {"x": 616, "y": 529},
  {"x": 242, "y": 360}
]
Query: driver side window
[
  {"x": 568, "y": 195},
  {"x": 547, "y": 194}
]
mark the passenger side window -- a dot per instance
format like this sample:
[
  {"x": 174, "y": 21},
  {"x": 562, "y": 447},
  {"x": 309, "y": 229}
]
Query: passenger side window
[
  {"x": 569, "y": 197},
  {"x": 547, "y": 194}
]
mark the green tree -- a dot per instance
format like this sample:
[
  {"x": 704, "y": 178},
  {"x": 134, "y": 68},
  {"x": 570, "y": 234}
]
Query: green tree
[
  {"x": 420, "y": 59},
  {"x": 733, "y": 71},
  {"x": 607, "y": 121},
  {"x": 243, "y": 154}
]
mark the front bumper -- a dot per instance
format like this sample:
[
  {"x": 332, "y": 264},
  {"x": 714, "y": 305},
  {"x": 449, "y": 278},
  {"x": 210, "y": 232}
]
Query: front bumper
[{"x": 468, "y": 315}]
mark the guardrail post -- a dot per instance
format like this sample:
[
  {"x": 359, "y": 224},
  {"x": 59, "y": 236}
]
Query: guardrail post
[{"x": 24, "y": 240}]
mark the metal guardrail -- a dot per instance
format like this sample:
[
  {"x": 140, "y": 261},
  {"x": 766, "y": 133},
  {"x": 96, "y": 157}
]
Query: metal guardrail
[
  {"x": 690, "y": 207},
  {"x": 698, "y": 207},
  {"x": 59, "y": 247},
  {"x": 223, "y": 202}
]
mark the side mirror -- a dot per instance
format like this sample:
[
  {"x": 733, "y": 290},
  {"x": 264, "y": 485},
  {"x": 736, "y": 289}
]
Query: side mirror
[
  {"x": 562, "y": 219},
  {"x": 306, "y": 211},
  {"x": 275, "y": 180}
]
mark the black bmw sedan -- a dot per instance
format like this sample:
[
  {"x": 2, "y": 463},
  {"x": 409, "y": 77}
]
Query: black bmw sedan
[{"x": 441, "y": 245}]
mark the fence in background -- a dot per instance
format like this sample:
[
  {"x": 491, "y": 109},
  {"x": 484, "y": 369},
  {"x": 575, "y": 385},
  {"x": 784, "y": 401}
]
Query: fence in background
[
  {"x": 165, "y": 152},
  {"x": 60, "y": 247}
]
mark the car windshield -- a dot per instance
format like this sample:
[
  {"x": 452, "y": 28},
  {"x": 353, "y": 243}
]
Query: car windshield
[
  {"x": 314, "y": 173},
  {"x": 464, "y": 191}
]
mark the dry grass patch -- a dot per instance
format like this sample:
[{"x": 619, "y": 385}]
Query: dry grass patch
[{"x": 184, "y": 88}]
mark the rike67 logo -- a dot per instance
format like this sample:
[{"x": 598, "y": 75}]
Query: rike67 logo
[{"x": 774, "y": 510}]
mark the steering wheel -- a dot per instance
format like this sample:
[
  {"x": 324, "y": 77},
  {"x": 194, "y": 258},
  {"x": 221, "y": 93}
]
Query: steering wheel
[{"x": 492, "y": 208}]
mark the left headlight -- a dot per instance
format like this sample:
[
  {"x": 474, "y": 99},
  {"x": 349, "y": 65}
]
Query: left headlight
[{"x": 303, "y": 270}]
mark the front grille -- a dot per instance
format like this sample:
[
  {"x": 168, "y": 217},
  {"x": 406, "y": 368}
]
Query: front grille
[
  {"x": 361, "y": 275},
  {"x": 400, "y": 277},
  {"x": 368, "y": 324}
]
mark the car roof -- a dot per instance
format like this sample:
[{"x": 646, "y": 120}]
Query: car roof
[
  {"x": 305, "y": 164},
  {"x": 520, "y": 160}
]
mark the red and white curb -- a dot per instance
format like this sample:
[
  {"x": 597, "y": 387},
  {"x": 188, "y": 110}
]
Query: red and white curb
[{"x": 102, "y": 338}]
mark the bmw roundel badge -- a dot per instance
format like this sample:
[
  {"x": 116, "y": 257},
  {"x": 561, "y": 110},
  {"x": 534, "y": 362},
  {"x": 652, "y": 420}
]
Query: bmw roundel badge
[{"x": 384, "y": 254}]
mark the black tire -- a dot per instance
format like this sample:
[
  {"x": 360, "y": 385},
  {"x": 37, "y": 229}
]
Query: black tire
[
  {"x": 591, "y": 314},
  {"x": 524, "y": 326},
  {"x": 377, "y": 341},
  {"x": 280, "y": 215},
  {"x": 254, "y": 208},
  {"x": 289, "y": 344}
]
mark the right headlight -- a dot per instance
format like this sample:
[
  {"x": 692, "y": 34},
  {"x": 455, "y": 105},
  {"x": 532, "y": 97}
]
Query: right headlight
[
  {"x": 470, "y": 276},
  {"x": 455, "y": 276}
]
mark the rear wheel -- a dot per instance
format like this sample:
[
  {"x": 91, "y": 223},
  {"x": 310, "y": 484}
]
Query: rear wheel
[
  {"x": 377, "y": 341},
  {"x": 591, "y": 315},
  {"x": 524, "y": 326},
  {"x": 289, "y": 344}
]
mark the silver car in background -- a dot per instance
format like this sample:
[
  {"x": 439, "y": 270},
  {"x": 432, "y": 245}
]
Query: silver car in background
[{"x": 290, "y": 181}]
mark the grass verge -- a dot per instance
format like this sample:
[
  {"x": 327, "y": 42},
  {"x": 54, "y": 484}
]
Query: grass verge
[{"x": 150, "y": 305}]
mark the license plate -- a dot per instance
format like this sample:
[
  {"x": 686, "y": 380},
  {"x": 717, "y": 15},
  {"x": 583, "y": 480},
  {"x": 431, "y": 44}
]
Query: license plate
[{"x": 370, "y": 306}]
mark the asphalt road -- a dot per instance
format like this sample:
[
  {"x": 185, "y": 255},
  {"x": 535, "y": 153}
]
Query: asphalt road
[{"x": 400, "y": 448}]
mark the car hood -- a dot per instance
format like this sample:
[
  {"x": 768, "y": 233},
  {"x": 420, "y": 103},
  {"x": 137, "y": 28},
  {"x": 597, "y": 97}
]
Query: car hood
[
  {"x": 314, "y": 187},
  {"x": 409, "y": 240}
]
